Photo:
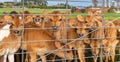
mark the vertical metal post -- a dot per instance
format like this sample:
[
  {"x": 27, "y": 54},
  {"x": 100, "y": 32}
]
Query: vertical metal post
[
  {"x": 66, "y": 27},
  {"x": 22, "y": 40},
  {"x": 103, "y": 25}
]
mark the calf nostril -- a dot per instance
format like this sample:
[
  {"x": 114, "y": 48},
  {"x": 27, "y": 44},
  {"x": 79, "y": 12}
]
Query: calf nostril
[
  {"x": 55, "y": 28},
  {"x": 92, "y": 27},
  {"x": 80, "y": 35},
  {"x": 106, "y": 52},
  {"x": 37, "y": 20},
  {"x": 94, "y": 55},
  {"x": 16, "y": 31}
]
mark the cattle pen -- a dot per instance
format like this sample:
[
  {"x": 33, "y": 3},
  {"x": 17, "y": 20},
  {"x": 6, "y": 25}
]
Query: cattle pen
[{"x": 60, "y": 31}]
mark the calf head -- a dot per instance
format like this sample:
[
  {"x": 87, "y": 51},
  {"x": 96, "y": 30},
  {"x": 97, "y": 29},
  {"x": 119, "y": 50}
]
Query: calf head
[
  {"x": 81, "y": 27},
  {"x": 108, "y": 45},
  {"x": 35, "y": 19},
  {"x": 96, "y": 13},
  {"x": 95, "y": 48},
  {"x": 15, "y": 24},
  {"x": 81, "y": 30},
  {"x": 57, "y": 20},
  {"x": 88, "y": 20}
]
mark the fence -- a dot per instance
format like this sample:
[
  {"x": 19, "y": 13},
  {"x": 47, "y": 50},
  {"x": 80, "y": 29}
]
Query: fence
[{"x": 68, "y": 6}]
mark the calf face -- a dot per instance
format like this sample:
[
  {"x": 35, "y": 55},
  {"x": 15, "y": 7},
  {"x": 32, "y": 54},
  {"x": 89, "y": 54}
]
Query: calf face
[
  {"x": 95, "y": 47},
  {"x": 34, "y": 19},
  {"x": 88, "y": 20},
  {"x": 56, "y": 20},
  {"x": 79, "y": 25},
  {"x": 15, "y": 22},
  {"x": 37, "y": 19},
  {"x": 81, "y": 30},
  {"x": 96, "y": 13}
]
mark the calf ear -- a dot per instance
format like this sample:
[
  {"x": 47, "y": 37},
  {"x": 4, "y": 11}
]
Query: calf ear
[
  {"x": 58, "y": 44},
  {"x": 5, "y": 13},
  {"x": 28, "y": 19},
  {"x": 68, "y": 12},
  {"x": 80, "y": 18},
  {"x": 104, "y": 42},
  {"x": 116, "y": 42},
  {"x": 45, "y": 12}
]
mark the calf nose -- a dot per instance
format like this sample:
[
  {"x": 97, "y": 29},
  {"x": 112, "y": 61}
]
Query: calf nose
[
  {"x": 106, "y": 52},
  {"x": 95, "y": 55},
  {"x": 55, "y": 28},
  {"x": 80, "y": 35},
  {"x": 37, "y": 20},
  {"x": 92, "y": 28},
  {"x": 16, "y": 31}
]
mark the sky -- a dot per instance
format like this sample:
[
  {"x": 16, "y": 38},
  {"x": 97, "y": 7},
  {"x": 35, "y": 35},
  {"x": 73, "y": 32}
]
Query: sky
[
  {"x": 54, "y": 2},
  {"x": 71, "y": 2}
]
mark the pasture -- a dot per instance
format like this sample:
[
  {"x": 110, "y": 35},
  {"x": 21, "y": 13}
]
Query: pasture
[{"x": 107, "y": 16}]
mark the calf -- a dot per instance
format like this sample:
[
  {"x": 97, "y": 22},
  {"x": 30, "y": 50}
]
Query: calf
[
  {"x": 44, "y": 43},
  {"x": 11, "y": 38},
  {"x": 117, "y": 24},
  {"x": 95, "y": 34},
  {"x": 60, "y": 29},
  {"x": 82, "y": 39},
  {"x": 111, "y": 41}
]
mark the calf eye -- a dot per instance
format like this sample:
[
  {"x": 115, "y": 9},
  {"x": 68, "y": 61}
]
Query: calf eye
[
  {"x": 60, "y": 20},
  {"x": 76, "y": 29},
  {"x": 68, "y": 51},
  {"x": 1, "y": 22},
  {"x": 10, "y": 23},
  {"x": 50, "y": 20},
  {"x": 21, "y": 24},
  {"x": 33, "y": 18},
  {"x": 86, "y": 22}
]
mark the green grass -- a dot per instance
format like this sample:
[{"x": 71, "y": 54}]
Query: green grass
[
  {"x": 112, "y": 16},
  {"x": 107, "y": 16}
]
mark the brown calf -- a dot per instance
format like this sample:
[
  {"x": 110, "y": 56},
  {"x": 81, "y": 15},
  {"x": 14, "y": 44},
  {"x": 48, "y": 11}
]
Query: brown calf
[
  {"x": 80, "y": 26},
  {"x": 11, "y": 42},
  {"x": 117, "y": 24},
  {"x": 111, "y": 41},
  {"x": 44, "y": 43},
  {"x": 95, "y": 34}
]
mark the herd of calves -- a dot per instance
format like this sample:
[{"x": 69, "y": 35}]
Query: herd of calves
[{"x": 71, "y": 39}]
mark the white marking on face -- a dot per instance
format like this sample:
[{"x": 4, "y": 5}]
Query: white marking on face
[
  {"x": 37, "y": 23},
  {"x": 20, "y": 17},
  {"x": 4, "y": 32}
]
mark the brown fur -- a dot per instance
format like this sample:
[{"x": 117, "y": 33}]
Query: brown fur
[
  {"x": 80, "y": 26},
  {"x": 117, "y": 25},
  {"x": 13, "y": 38},
  {"x": 95, "y": 34},
  {"x": 42, "y": 46},
  {"x": 26, "y": 13},
  {"x": 31, "y": 21},
  {"x": 97, "y": 14},
  {"x": 110, "y": 40},
  {"x": 57, "y": 19}
]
